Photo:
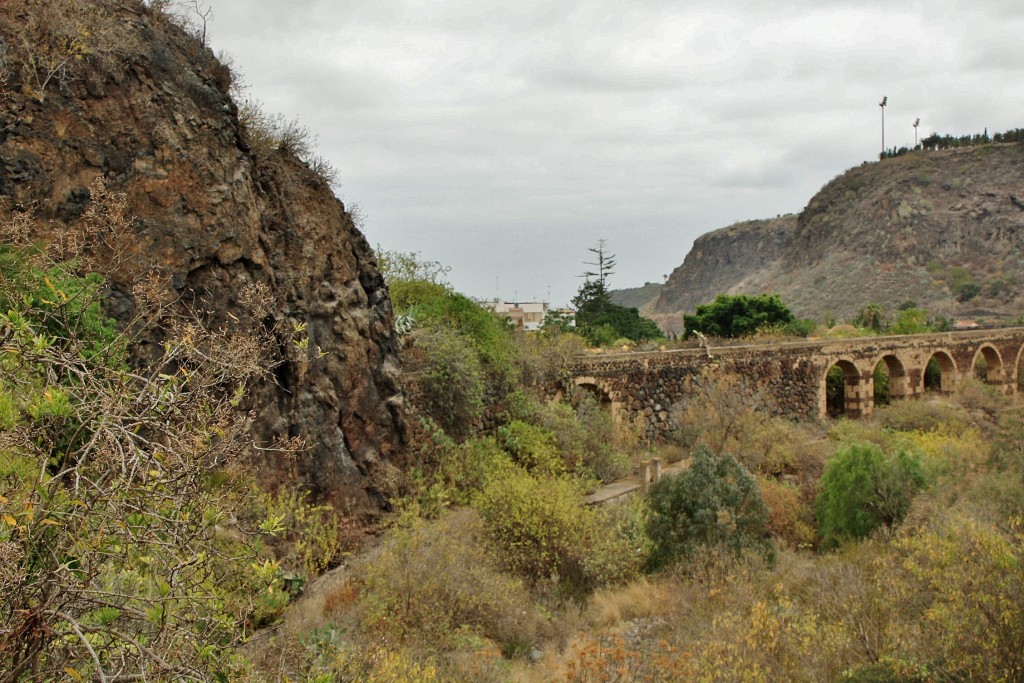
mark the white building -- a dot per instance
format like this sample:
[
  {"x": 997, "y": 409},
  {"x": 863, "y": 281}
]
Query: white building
[{"x": 527, "y": 315}]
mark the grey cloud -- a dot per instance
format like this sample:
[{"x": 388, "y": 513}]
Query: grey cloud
[{"x": 504, "y": 139}]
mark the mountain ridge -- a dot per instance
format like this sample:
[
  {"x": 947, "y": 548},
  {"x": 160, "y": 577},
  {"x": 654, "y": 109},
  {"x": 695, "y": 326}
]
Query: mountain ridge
[{"x": 941, "y": 228}]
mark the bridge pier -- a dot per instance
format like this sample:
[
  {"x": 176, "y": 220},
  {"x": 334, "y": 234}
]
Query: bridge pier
[{"x": 858, "y": 395}]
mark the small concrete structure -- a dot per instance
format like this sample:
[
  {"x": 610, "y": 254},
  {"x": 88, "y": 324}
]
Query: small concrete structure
[{"x": 651, "y": 472}]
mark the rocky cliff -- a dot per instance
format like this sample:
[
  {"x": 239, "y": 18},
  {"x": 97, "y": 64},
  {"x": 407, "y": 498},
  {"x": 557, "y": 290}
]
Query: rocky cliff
[
  {"x": 941, "y": 228},
  {"x": 732, "y": 260},
  {"x": 98, "y": 88}
]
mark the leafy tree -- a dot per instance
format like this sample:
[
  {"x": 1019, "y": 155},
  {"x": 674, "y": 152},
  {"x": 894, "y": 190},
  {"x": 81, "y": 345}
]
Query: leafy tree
[
  {"x": 598, "y": 319},
  {"x": 871, "y": 317},
  {"x": 716, "y": 502},
  {"x": 911, "y": 321},
  {"x": 863, "y": 489},
  {"x": 736, "y": 316}
]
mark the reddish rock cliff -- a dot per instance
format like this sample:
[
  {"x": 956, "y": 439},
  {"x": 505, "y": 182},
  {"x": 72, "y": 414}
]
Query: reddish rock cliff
[{"x": 146, "y": 108}]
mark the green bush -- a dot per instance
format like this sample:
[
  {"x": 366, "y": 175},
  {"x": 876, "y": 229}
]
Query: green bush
[
  {"x": 716, "y": 502},
  {"x": 532, "y": 447},
  {"x": 546, "y": 534},
  {"x": 452, "y": 379},
  {"x": 58, "y": 301},
  {"x": 863, "y": 489},
  {"x": 485, "y": 331},
  {"x": 738, "y": 316},
  {"x": 466, "y": 468}
]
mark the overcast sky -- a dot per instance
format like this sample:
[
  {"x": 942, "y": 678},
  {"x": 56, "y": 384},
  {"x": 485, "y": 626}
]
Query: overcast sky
[{"x": 505, "y": 138}]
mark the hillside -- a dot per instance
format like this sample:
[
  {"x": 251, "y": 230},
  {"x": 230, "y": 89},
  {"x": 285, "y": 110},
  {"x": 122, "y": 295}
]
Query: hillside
[
  {"x": 122, "y": 92},
  {"x": 636, "y": 297},
  {"x": 943, "y": 228}
]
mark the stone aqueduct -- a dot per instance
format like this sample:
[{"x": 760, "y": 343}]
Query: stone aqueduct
[{"x": 641, "y": 387}]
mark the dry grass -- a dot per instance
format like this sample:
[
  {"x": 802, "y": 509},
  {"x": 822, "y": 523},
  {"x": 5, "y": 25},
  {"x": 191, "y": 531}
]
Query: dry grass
[{"x": 638, "y": 599}]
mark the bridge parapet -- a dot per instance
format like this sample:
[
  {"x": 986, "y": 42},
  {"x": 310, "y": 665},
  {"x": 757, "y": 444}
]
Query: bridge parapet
[{"x": 642, "y": 387}]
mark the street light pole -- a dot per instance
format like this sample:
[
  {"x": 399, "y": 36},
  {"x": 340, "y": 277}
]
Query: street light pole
[
  {"x": 882, "y": 104},
  {"x": 917, "y": 122}
]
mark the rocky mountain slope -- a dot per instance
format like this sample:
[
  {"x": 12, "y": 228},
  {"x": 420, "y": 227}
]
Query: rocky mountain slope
[
  {"x": 118, "y": 90},
  {"x": 636, "y": 297},
  {"x": 941, "y": 228}
]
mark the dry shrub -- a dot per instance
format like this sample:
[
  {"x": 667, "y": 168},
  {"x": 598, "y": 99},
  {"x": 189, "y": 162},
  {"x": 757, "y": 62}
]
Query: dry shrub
[
  {"x": 851, "y": 595},
  {"x": 790, "y": 518},
  {"x": 640, "y": 598},
  {"x": 723, "y": 414},
  {"x": 59, "y": 41},
  {"x": 977, "y": 397},
  {"x": 948, "y": 452},
  {"x": 715, "y": 412},
  {"x": 923, "y": 414},
  {"x": 961, "y": 581},
  {"x": 779, "y": 446},
  {"x": 543, "y": 359},
  {"x": 269, "y": 135},
  {"x": 774, "y": 638},
  {"x": 434, "y": 581},
  {"x": 615, "y": 658},
  {"x": 587, "y": 436}
]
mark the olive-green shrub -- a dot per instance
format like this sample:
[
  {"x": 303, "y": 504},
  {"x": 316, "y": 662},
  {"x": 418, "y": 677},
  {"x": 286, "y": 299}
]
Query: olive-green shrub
[
  {"x": 863, "y": 489},
  {"x": 545, "y": 533},
  {"x": 716, "y": 502}
]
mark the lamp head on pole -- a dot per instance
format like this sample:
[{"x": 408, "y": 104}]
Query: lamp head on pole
[
  {"x": 883, "y": 102},
  {"x": 917, "y": 122}
]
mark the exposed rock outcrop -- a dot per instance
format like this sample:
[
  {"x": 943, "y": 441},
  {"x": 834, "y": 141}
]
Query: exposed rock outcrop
[
  {"x": 148, "y": 111},
  {"x": 727, "y": 261},
  {"x": 915, "y": 227}
]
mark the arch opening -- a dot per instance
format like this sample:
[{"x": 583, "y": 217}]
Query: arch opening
[
  {"x": 597, "y": 393},
  {"x": 940, "y": 373},
  {"x": 889, "y": 380},
  {"x": 842, "y": 396},
  {"x": 988, "y": 366},
  {"x": 1018, "y": 366}
]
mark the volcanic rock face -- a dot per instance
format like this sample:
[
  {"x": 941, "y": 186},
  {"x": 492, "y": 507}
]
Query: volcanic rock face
[
  {"x": 726, "y": 261},
  {"x": 149, "y": 113},
  {"x": 911, "y": 228}
]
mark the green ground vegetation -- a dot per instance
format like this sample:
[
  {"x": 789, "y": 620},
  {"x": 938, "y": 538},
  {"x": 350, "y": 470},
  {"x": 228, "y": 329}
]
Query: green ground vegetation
[{"x": 133, "y": 540}]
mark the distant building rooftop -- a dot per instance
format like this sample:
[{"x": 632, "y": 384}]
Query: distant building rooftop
[{"x": 527, "y": 315}]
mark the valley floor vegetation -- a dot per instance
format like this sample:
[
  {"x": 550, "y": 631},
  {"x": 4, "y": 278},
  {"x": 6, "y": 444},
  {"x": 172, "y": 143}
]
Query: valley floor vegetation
[
  {"x": 887, "y": 549},
  {"x": 135, "y": 542}
]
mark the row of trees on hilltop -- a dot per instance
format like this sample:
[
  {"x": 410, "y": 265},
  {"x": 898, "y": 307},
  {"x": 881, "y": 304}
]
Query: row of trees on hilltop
[{"x": 937, "y": 141}]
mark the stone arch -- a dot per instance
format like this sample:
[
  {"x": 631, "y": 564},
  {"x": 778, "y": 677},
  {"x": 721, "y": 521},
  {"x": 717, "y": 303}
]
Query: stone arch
[
  {"x": 849, "y": 400},
  {"x": 602, "y": 392},
  {"x": 898, "y": 386},
  {"x": 945, "y": 382},
  {"x": 987, "y": 365},
  {"x": 1017, "y": 368}
]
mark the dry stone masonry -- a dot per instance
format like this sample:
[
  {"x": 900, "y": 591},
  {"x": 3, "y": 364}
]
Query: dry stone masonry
[{"x": 790, "y": 378}]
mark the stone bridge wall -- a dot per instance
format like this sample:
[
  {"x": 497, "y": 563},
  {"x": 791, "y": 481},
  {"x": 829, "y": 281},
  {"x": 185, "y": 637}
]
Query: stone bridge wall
[{"x": 791, "y": 377}]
